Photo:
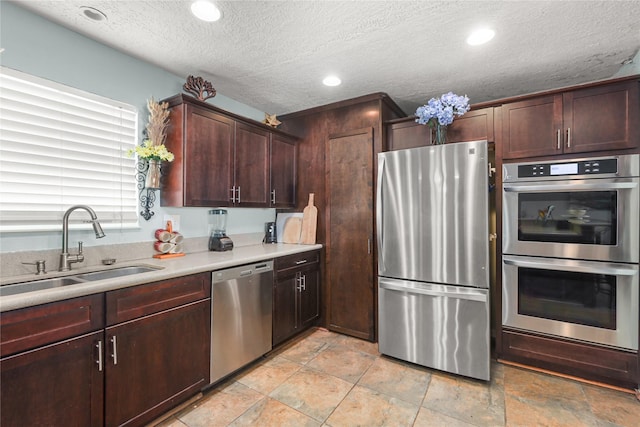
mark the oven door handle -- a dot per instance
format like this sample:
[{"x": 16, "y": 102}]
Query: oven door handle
[
  {"x": 575, "y": 266},
  {"x": 571, "y": 187}
]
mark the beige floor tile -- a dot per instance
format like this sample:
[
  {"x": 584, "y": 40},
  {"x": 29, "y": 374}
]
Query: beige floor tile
[
  {"x": 312, "y": 392},
  {"x": 622, "y": 409},
  {"x": 342, "y": 362},
  {"x": 541, "y": 389},
  {"x": 322, "y": 334},
  {"x": 428, "y": 418},
  {"x": 358, "y": 344},
  {"x": 472, "y": 401},
  {"x": 397, "y": 379},
  {"x": 365, "y": 407},
  {"x": 303, "y": 351},
  {"x": 269, "y": 412},
  {"x": 265, "y": 377},
  {"x": 523, "y": 413},
  {"x": 221, "y": 407}
]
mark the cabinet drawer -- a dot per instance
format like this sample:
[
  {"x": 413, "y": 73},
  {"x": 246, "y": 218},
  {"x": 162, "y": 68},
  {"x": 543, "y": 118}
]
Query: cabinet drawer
[
  {"x": 32, "y": 327},
  {"x": 297, "y": 260},
  {"x": 130, "y": 303}
]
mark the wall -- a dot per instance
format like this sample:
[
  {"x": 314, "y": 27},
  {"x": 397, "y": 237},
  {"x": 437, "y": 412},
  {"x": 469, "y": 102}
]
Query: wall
[
  {"x": 631, "y": 68},
  {"x": 42, "y": 48}
]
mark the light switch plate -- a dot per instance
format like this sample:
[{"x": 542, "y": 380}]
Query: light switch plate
[{"x": 175, "y": 221}]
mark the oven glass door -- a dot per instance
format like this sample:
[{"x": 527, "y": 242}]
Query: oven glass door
[
  {"x": 588, "y": 301},
  {"x": 586, "y": 219}
]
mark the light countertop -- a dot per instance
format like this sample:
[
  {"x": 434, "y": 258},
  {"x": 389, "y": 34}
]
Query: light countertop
[{"x": 169, "y": 268}]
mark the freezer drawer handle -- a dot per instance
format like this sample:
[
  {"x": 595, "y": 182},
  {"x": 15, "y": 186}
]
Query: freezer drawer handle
[{"x": 469, "y": 295}]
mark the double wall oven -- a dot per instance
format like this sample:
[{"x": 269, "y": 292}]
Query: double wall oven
[{"x": 571, "y": 249}]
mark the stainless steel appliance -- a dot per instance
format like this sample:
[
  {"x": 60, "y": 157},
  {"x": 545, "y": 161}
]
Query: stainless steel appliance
[
  {"x": 270, "y": 232},
  {"x": 241, "y": 316},
  {"x": 433, "y": 257},
  {"x": 571, "y": 252},
  {"x": 218, "y": 239}
]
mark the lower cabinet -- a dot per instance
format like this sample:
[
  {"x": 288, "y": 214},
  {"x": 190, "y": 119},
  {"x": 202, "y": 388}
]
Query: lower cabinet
[
  {"x": 120, "y": 358},
  {"x": 296, "y": 294},
  {"x": 55, "y": 385}
]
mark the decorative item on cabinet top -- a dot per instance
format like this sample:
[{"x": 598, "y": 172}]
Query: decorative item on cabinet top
[
  {"x": 150, "y": 155},
  {"x": 271, "y": 120},
  {"x": 199, "y": 87},
  {"x": 438, "y": 113}
]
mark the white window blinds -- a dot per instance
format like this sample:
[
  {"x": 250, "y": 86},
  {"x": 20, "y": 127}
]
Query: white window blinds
[{"x": 60, "y": 147}]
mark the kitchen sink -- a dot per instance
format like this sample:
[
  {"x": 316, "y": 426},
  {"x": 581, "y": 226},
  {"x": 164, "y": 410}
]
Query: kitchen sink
[
  {"x": 38, "y": 285},
  {"x": 115, "y": 272}
]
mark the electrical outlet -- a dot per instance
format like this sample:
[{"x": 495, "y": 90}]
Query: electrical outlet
[{"x": 175, "y": 221}]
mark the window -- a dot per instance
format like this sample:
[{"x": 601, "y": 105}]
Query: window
[{"x": 60, "y": 147}]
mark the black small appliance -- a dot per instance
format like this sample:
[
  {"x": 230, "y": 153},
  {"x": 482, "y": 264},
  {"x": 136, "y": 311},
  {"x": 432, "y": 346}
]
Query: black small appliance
[{"x": 269, "y": 232}]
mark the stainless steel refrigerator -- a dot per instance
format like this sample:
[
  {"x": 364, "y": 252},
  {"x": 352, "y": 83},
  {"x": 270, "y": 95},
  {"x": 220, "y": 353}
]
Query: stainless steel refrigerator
[{"x": 433, "y": 257}]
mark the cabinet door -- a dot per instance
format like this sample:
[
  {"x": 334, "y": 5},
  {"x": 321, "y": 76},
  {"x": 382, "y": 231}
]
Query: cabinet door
[
  {"x": 532, "y": 128},
  {"x": 309, "y": 297},
  {"x": 350, "y": 263},
  {"x": 155, "y": 362},
  {"x": 475, "y": 125},
  {"x": 208, "y": 157},
  {"x": 56, "y": 385},
  {"x": 251, "y": 166},
  {"x": 283, "y": 165},
  {"x": 285, "y": 306},
  {"x": 601, "y": 118},
  {"x": 407, "y": 134}
]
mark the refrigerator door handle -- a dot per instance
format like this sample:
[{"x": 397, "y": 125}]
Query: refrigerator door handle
[
  {"x": 468, "y": 294},
  {"x": 379, "y": 212}
]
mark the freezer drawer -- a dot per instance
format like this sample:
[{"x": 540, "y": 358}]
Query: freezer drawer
[{"x": 438, "y": 326}]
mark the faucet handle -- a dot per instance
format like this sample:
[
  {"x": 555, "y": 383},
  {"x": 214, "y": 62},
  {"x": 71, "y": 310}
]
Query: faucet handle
[
  {"x": 80, "y": 247},
  {"x": 40, "y": 266}
]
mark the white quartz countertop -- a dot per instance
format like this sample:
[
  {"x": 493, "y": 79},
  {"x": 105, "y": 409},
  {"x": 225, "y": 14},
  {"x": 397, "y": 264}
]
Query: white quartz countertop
[{"x": 169, "y": 268}]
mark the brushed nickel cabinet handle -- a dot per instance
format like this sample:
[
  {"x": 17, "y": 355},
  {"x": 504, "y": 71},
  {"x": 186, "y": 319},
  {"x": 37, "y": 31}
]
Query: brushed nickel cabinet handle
[
  {"x": 99, "y": 361},
  {"x": 233, "y": 194},
  {"x": 302, "y": 261},
  {"x": 558, "y": 144},
  {"x": 273, "y": 196},
  {"x": 568, "y": 137},
  {"x": 238, "y": 195},
  {"x": 114, "y": 355}
]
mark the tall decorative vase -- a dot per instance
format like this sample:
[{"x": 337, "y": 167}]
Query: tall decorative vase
[
  {"x": 152, "y": 180},
  {"x": 439, "y": 135}
]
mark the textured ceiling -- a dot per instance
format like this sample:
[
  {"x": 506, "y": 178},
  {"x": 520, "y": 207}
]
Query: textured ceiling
[{"x": 273, "y": 55}]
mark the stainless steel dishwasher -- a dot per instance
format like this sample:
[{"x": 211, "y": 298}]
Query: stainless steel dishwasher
[{"x": 241, "y": 313}]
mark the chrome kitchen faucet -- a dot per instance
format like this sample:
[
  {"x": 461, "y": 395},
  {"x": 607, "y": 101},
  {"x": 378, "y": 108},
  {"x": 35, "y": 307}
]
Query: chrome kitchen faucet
[{"x": 66, "y": 259}]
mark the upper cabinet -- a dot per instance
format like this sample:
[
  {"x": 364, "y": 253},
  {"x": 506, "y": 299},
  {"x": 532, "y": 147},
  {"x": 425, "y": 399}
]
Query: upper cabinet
[
  {"x": 225, "y": 160},
  {"x": 596, "y": 118},
  {"x": 472, "y": 126}
]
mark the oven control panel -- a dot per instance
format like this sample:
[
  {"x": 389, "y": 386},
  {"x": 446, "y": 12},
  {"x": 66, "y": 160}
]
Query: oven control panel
[{"x": 582, "y": 167}]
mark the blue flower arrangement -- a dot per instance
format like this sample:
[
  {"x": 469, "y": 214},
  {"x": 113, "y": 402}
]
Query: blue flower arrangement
[{"x": 442, "y": 110}]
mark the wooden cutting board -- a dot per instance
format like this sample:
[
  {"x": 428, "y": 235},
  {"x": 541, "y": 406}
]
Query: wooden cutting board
[
  {"x": 309, "y": 223},
  {"x": 292, "y": 228}
]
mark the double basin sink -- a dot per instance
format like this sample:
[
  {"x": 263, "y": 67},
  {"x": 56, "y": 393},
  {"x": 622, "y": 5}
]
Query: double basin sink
[{"x": 56, "y": 282}]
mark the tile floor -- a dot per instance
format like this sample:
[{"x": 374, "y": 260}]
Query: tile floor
[{"x": 327, "y": 379}]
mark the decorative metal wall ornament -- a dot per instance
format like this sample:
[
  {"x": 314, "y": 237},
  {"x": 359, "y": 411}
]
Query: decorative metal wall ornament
[
  {"x": 198, "y": 87},
  {"x": 271, "y": 120},
  {"x": 147, "y": 195}
]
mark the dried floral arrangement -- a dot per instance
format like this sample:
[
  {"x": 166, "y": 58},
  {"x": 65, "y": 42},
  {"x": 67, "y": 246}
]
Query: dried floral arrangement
[
  {"x": 271, "y": 120},
  {"x": 199, "y": 87},
  {"x": 158, "y": 121}
]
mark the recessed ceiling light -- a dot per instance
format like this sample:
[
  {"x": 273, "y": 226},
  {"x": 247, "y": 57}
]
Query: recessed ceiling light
[
  {"x": 331, "y": 81},
  {"x": 92, "y": 13},
  {"x": 480, "y": 36},
  {"x": 205, "y": 10}
]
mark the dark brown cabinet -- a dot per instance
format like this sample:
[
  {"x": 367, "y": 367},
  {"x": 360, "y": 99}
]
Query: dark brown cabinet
[
  {"x": 62, "y": 367},
  {"x": 598, "y": 118},
  {"x": 337, "y": 153},
  {"x": 224, "y": 160},
  {"x": 50, "y": 371},
  {"x": 283, "y": 169},
  {"x": 296, "y": 294},
  {"x": 474, "y": 125}
]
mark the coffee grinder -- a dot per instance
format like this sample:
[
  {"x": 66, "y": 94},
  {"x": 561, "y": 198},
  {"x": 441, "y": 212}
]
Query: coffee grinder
[{"x": 218, "y": 240}]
